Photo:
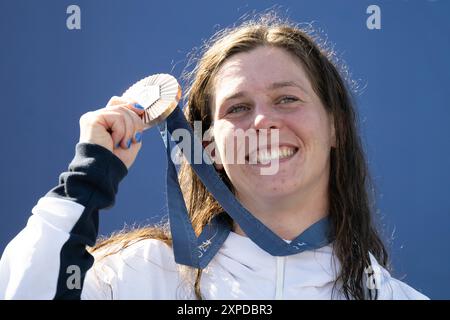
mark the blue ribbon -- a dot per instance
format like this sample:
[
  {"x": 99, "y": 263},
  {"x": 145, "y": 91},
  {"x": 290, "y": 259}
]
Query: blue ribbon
[{"x": 198, "y": 251}]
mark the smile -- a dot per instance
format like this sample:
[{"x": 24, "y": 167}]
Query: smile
[{"x": 265, "y": 156}]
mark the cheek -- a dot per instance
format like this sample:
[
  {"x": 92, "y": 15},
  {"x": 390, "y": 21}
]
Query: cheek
[
  {"x": 231, "y": 144},
  {"x": 222, "y": 134},
  {"x": 311, "y": 128}
]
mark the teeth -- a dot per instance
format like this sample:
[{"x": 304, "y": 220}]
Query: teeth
[{"x": 265, "y": 156}]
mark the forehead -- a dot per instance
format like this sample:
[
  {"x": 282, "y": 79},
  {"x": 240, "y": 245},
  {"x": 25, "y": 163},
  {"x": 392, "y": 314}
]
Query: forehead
[{"x": 258, "y": 69}]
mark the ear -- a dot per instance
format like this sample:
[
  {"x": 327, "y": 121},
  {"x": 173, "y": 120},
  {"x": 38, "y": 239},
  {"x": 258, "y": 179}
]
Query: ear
[{"x": 210, "y": 149}]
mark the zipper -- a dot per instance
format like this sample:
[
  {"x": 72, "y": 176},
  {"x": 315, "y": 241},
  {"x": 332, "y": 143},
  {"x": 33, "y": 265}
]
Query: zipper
[{"x": 279, "y": 286}]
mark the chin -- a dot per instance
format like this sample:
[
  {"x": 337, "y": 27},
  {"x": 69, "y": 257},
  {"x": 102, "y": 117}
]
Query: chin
[{"x": 272, "y": 191}]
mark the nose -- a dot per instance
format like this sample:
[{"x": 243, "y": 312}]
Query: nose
[{"x": 266, "y": 118}]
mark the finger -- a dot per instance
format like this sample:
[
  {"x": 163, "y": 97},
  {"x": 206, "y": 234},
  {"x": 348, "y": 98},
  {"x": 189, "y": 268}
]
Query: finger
[
  {"x": 115, "y": 100},
  {"x": 136, "y": 108},
  {"x": 129, "y": 127},
  {"x": 114, "y": 123},
  {"x": 131, "y": 123},
  {"x": 137, "y": 123},
  {"x": 135, "y": 111},
  {"x": 130, "y": 103}
]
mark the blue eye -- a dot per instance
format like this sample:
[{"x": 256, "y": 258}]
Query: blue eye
[
  {"x": 238, "y": 108},
  {"x": 288, "y": 99}
]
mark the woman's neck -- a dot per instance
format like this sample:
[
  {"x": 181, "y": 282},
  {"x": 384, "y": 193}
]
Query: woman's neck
[{"x": 288, "y": 216}]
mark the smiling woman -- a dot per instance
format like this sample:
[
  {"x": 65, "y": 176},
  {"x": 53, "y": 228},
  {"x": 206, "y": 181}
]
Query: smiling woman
[
  {"x": 264, "y": 75},
  {"x": 258, "y": 90}
]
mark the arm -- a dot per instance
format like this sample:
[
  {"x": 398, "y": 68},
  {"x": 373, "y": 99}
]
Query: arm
[{"x": 48, "y": 258}]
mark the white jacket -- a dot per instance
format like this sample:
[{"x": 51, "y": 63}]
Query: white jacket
[{"x": 48, "y": 258}]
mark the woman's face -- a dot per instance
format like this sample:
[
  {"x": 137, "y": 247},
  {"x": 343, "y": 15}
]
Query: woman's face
[{"x": 267, "y": 88}]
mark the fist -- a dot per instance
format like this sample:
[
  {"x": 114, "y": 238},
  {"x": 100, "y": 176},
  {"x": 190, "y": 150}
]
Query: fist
[{"x": 118, "y": 127}]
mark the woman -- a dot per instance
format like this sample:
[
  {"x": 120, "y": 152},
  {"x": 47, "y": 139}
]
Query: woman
[{"x": 262, "y": 75}]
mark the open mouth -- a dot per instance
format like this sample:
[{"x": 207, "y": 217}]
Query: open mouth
[{"x": 267, "y": 155}]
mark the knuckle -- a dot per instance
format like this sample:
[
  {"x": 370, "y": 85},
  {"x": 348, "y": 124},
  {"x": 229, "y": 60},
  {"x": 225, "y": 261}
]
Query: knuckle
[
  {"x": 115, "y": 100},
  {"x": 85, "y": 118},
  {"x": 119, "y": 108}
]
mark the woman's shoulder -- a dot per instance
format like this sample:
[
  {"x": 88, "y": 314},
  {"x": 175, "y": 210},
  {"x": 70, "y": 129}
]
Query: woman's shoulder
[
  {"x": 144, "y": 269},
  {"x": 138, "y": 252},
  {"x": 389, "y": 288}
]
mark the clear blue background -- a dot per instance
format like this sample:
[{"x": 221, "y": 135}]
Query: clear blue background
[{"x": 50, "y": 76}]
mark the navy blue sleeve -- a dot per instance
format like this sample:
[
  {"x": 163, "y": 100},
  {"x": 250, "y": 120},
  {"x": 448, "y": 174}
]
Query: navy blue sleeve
[{"x": 92, "y": 181}]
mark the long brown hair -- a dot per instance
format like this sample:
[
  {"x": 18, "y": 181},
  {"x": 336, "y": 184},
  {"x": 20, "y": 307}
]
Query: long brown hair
[{"x": 350, "y": 185}]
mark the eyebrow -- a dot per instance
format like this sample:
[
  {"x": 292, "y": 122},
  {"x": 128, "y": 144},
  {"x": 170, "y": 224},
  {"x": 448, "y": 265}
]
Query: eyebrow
[
  {"x": 275, "y": 85},
  {"x": 283, "y": 84}
]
